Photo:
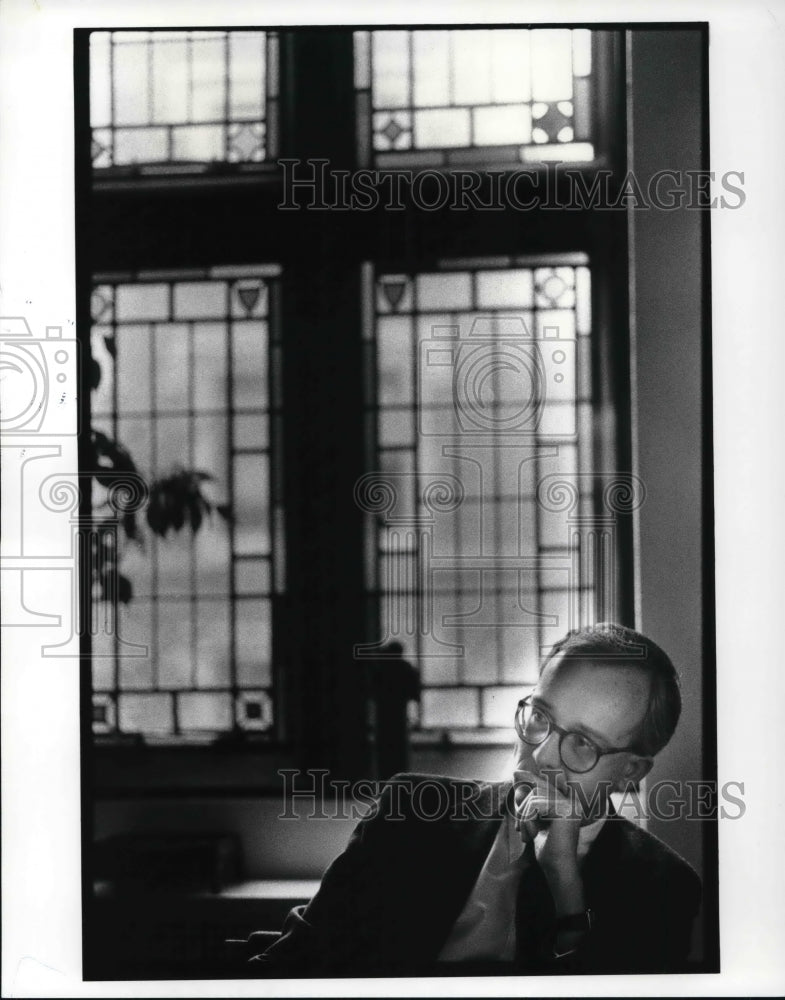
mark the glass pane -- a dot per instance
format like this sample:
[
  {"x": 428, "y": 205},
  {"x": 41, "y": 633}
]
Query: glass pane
[
  {"x": 251, "y": 505},
  {"x": 395, "y": 360},
  {"x": 172, "y": 445},
  {"x": 198, "y": 142},
  {"x": 200, "y": 299},
  {"x": 135, "y": 434},
  {"x": 551, "y": 65},
  {"x": 141, "y": 145},
  {"x": 136, "y": 563},
  {"x": 211, "y": 552},
  {"x": 170, "y": 80},
  {"x": 204, "y": 711},
  {"x": 581, "y": 52},
  {"x": 556, "y": 604},
  {"x": 174, "y": 563},
  {"x": 249, "y": 368},
  {"x": 500, "y": 289},
  {"x": 175, "y": 637},
  {"x": 252, "y": 576},
  {"x": 399, "y": 467},
  {"x": 100, "y": 91},
  {"x": 575, "y": 152},
  {"x": 208, "y": 73},
  {"x": 554, "y": 528},
  {"x": 520, "y": 656},
  {"x": 443, "y": 127},
  {"x": 172, "y": 367},
  {"x": 444, "y": 291},
  {"x": 390, "y": 69},
  {"x": 249, "y": 299},
  {"x": 251, "y": 431},
  {"x": 133, "y": 347},
  {"x": 213, "y": 664},
  {"x": 210, "y": 365},
  {"x": 255, "y": 710},
  {"x": 439, "y": 670},
  {"x": 559, "y": 323},
  {"x": 431, "y": 68},
  {"x": 583, "y": 299},
  {"x": 449, "y": 709},
  {"x": 510, "y": 66},
  {"x": 142, "y": 302},
  {"x": 502, "y": 125},
  {"x": 471, "y": 67},
  {"x": 254, "y": 643},
  {"x": 210, "y": 454},
  {"x": 563, "y": 463},
  {"x": 149, "y": 713},
  {"x": 394, "y": 293},
  {"x": 247, "y": 81},
  {"x": 101, "y": 339},
  {"x": 498, "y": 707},
  {"x": 130, "y": 84},
  {"x": 136, "y": 626},
  {"x": 102, "y": 662},
  {"x": 396, "y": 427}
]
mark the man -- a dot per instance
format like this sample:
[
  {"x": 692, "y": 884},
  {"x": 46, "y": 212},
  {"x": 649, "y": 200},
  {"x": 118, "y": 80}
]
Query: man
[{"x": 539, "y": 875}]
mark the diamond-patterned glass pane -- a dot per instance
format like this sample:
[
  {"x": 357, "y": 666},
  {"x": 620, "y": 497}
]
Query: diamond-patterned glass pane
[{"x": 457, "y": 92}]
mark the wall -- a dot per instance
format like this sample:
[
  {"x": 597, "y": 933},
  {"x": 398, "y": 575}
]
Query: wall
[{"x": 667, "y": 275}]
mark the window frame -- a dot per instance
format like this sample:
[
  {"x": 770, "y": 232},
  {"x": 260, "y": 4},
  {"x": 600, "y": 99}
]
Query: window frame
[{"x": 108, "y": 203}]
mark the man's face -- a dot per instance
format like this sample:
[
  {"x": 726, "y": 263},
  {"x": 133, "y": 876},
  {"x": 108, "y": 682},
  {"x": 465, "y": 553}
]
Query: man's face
[{"x": 605, "y": 703}]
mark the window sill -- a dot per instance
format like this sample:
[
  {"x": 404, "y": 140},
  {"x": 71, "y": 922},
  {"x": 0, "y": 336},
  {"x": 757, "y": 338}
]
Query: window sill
[{"x": 188, "y": 771}]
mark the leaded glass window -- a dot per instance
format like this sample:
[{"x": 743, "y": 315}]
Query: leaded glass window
[
  {"x": 183, "y": 99},
  {"x": 503, "y": 95},
  {"x": 479, "y": 397},
  {"x": 189, "y": 365}
]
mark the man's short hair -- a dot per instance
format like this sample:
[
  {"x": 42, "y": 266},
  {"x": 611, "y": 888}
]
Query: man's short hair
[{"x": 610, "y": 644}]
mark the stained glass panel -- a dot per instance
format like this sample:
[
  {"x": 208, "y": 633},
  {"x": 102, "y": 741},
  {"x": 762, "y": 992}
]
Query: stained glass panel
[
  {"x": 514, "y": 93},
  {"x": 178, "y": 357},
  {"x": 188, "y": 97},
  {"x": 477, "y": 373}
]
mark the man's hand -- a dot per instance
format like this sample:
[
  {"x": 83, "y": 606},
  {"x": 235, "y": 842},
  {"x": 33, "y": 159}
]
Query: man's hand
[{"x": 540, "y": 805}]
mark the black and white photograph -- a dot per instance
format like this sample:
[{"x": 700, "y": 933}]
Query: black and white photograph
[{"x": 366, "y": 517}]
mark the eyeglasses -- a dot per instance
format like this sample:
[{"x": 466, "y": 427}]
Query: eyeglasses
[{"x": 577, "y": 752}]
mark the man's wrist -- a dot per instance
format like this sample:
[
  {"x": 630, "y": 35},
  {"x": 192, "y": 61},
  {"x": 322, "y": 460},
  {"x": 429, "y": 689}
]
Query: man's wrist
[{"x": 566, "y": 886}]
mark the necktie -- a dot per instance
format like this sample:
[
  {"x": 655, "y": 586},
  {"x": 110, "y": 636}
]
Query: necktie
[{"x": 534, "y": 913}]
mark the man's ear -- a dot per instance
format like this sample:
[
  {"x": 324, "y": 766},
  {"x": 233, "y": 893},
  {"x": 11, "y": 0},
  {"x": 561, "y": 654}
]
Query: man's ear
[{"x": 634, "y": 771}]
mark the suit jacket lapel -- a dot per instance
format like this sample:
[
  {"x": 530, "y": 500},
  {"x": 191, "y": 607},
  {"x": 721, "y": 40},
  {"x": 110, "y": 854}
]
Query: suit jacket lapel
[{"x": 463, "y": 853}]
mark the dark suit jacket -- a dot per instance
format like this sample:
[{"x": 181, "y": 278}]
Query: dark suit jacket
[{"x": 386, "y": 906}]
